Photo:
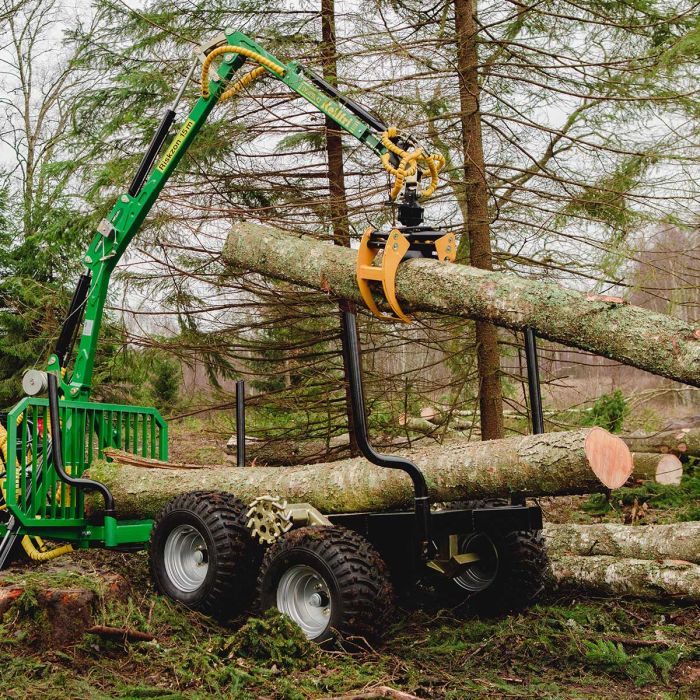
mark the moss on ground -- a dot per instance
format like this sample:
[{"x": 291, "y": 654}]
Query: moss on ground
[{"x": 563, "y": 648}]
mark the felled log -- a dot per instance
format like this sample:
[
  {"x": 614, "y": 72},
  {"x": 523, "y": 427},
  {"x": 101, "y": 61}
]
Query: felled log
[
  {"x": 678, "y": 442},
  {"x": 679, "y": 541},
  {"x": 580, "y": 461},
  {"x": 418, "y": 425},
  {"x": 654, "y": 342},
  {"x": 286, "y": 452},
  {"x": 641, "y": 578},
  {"x": 662, "y": 468}
]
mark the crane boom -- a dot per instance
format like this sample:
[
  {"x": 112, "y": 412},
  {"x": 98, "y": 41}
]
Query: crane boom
[{"x": 116, "y": 231}]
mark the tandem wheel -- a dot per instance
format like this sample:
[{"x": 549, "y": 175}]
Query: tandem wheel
[
  {"x": 510, "y": 574},
  {"x": 329, "y": 580},
  {"x": 202, "y": 554}
]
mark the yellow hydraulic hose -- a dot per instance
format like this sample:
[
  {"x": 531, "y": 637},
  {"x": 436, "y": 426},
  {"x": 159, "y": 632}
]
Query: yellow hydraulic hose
[
  {"x": 239, "y": 85},
  {"x": 262, "y": 60},
  {"x": 409, "y": 163},
  {"x": 38, "y": 555}
]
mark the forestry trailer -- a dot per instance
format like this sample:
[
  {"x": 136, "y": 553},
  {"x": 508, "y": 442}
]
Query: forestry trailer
[{"x": 329, "y": 573}]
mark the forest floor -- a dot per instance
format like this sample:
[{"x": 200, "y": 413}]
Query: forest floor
[{"x": 567, "y": 646}]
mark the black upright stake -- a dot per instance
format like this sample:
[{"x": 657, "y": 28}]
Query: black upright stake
[
  {"x": 240, "y": 423},
  {"x": 351, "y": 357},
  {"x": 533, "y": 382}
]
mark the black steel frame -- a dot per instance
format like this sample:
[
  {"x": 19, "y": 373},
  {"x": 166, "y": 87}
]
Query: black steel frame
[{"x": 428, "y": 525}]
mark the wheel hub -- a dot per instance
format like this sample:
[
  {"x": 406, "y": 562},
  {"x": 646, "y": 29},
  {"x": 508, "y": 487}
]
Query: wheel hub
[
  {"x": 304, "y": 596},
  {"x": 482, "y": 573},
  {"x": 186, "y": 558}
]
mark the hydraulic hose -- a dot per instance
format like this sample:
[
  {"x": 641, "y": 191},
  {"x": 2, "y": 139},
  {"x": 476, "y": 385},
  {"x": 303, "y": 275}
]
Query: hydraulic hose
[{"x": 83, "y": 484}]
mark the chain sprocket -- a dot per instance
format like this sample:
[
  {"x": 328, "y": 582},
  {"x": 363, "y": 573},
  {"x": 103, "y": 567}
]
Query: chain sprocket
[{"x": 268, "y": 518}]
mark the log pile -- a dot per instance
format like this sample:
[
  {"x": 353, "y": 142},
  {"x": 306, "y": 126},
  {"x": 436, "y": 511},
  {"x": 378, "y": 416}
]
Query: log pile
[
  {"x": 645, "y": 561},
  {"x": 656, "y": 456},
  {"x": 685, "y": 441}
]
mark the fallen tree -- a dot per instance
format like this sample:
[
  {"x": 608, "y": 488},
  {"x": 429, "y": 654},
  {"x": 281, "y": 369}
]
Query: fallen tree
[
  {"x": 654, "y": 342},
  {"x": 678, "y": 442},
  {"x": 286, "y": 451},
  {"x": 641, "y": 578},
  {"x": 679, "y": 541},
  {"x": 580, "y": 461}
]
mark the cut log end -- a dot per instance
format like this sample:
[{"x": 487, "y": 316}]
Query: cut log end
[
  {"x": 669, "y": 470},
  {"x": 609, "y": 458}
]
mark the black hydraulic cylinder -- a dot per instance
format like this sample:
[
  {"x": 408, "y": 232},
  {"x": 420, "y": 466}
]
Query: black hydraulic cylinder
[
  {"x": 533, "y": 382},
  {"x": 152, "y": 152},
  {"x": 351, "y": 357},
  {"x": 240, "y": 423},
  {"x": 57, "y": 454},
  {"x": 66, "y": 339}
]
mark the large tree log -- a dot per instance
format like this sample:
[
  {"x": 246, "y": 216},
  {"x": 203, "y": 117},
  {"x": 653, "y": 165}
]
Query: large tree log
[
  {"x": 678, "y": 442},
  {"x": 641, "y": 578},
  {"x": 579, "y": 461},
  {"x": 676, "y": 541},
  {"x": 651, "y": 341}
]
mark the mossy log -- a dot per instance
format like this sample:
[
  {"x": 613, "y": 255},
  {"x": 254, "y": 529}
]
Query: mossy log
[
  {"x": 657, "y": 343},
  {"x": 680, "y": 541},
  {"x": 641, "y": 578},
  {"x": 685, "y": 441},
  {"x": 580, "y": 461}
]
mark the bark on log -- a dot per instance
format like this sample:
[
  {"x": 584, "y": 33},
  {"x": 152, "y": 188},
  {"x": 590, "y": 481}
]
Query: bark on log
[
  {"x": 680, "y": 541},
  {"x": 678, "y": 442},
  {"x": 654, "y": 342},
  {"x": 549, "y": 464},
  {"x": 641, "y": 578},
  {"x": 662, "y": 468}
]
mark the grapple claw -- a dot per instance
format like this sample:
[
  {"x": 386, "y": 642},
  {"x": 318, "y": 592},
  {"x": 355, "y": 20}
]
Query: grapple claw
[{"x": 395, "y": 246}]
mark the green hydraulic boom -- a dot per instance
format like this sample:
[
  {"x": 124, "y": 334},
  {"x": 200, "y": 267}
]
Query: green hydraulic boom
[{"x": 43, "y": 488}]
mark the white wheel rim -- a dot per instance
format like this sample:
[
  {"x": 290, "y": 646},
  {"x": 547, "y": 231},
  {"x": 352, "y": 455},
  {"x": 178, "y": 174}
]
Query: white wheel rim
[
  {"x": 304, "y": 596},
  {"x": 186, "y": 558}
]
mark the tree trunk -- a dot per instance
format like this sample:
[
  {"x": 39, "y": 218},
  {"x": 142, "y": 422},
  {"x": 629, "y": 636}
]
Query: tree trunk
[
  {"x": 679, "y": 541},
  {"x": 654, "y": 342},
  {"x": 336, "y": 173},
  {"x": 678, "y": 442},
  {"x": 477, "y": 200},
  {"x": 641, "y": 578},
  {"x": 662, "y": 468},
  {"x": 550, "y": 464}
]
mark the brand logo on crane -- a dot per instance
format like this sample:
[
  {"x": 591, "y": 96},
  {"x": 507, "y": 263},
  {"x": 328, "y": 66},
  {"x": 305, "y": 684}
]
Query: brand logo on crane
[{"x": 175, "y": 145}]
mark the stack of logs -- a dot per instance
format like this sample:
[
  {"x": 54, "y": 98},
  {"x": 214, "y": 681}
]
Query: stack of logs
[
  {"x": 578, "y": 461},
  {"x": 647, "y": 561}
]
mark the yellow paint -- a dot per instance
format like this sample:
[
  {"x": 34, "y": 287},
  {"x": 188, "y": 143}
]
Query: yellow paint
[{"x": 175, "y": 145}]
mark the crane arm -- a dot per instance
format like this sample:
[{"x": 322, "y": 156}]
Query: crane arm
[{"x": 400, "y": 155}]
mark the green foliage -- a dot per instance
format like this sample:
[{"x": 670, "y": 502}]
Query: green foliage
[
  {"x": 165, "y": 381},
  {"x": 272, "y": 638},
  {"x": 609, "y": 412},
  {"x": 644, "y": 667},
  {"x": 675, "y": 503}
]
